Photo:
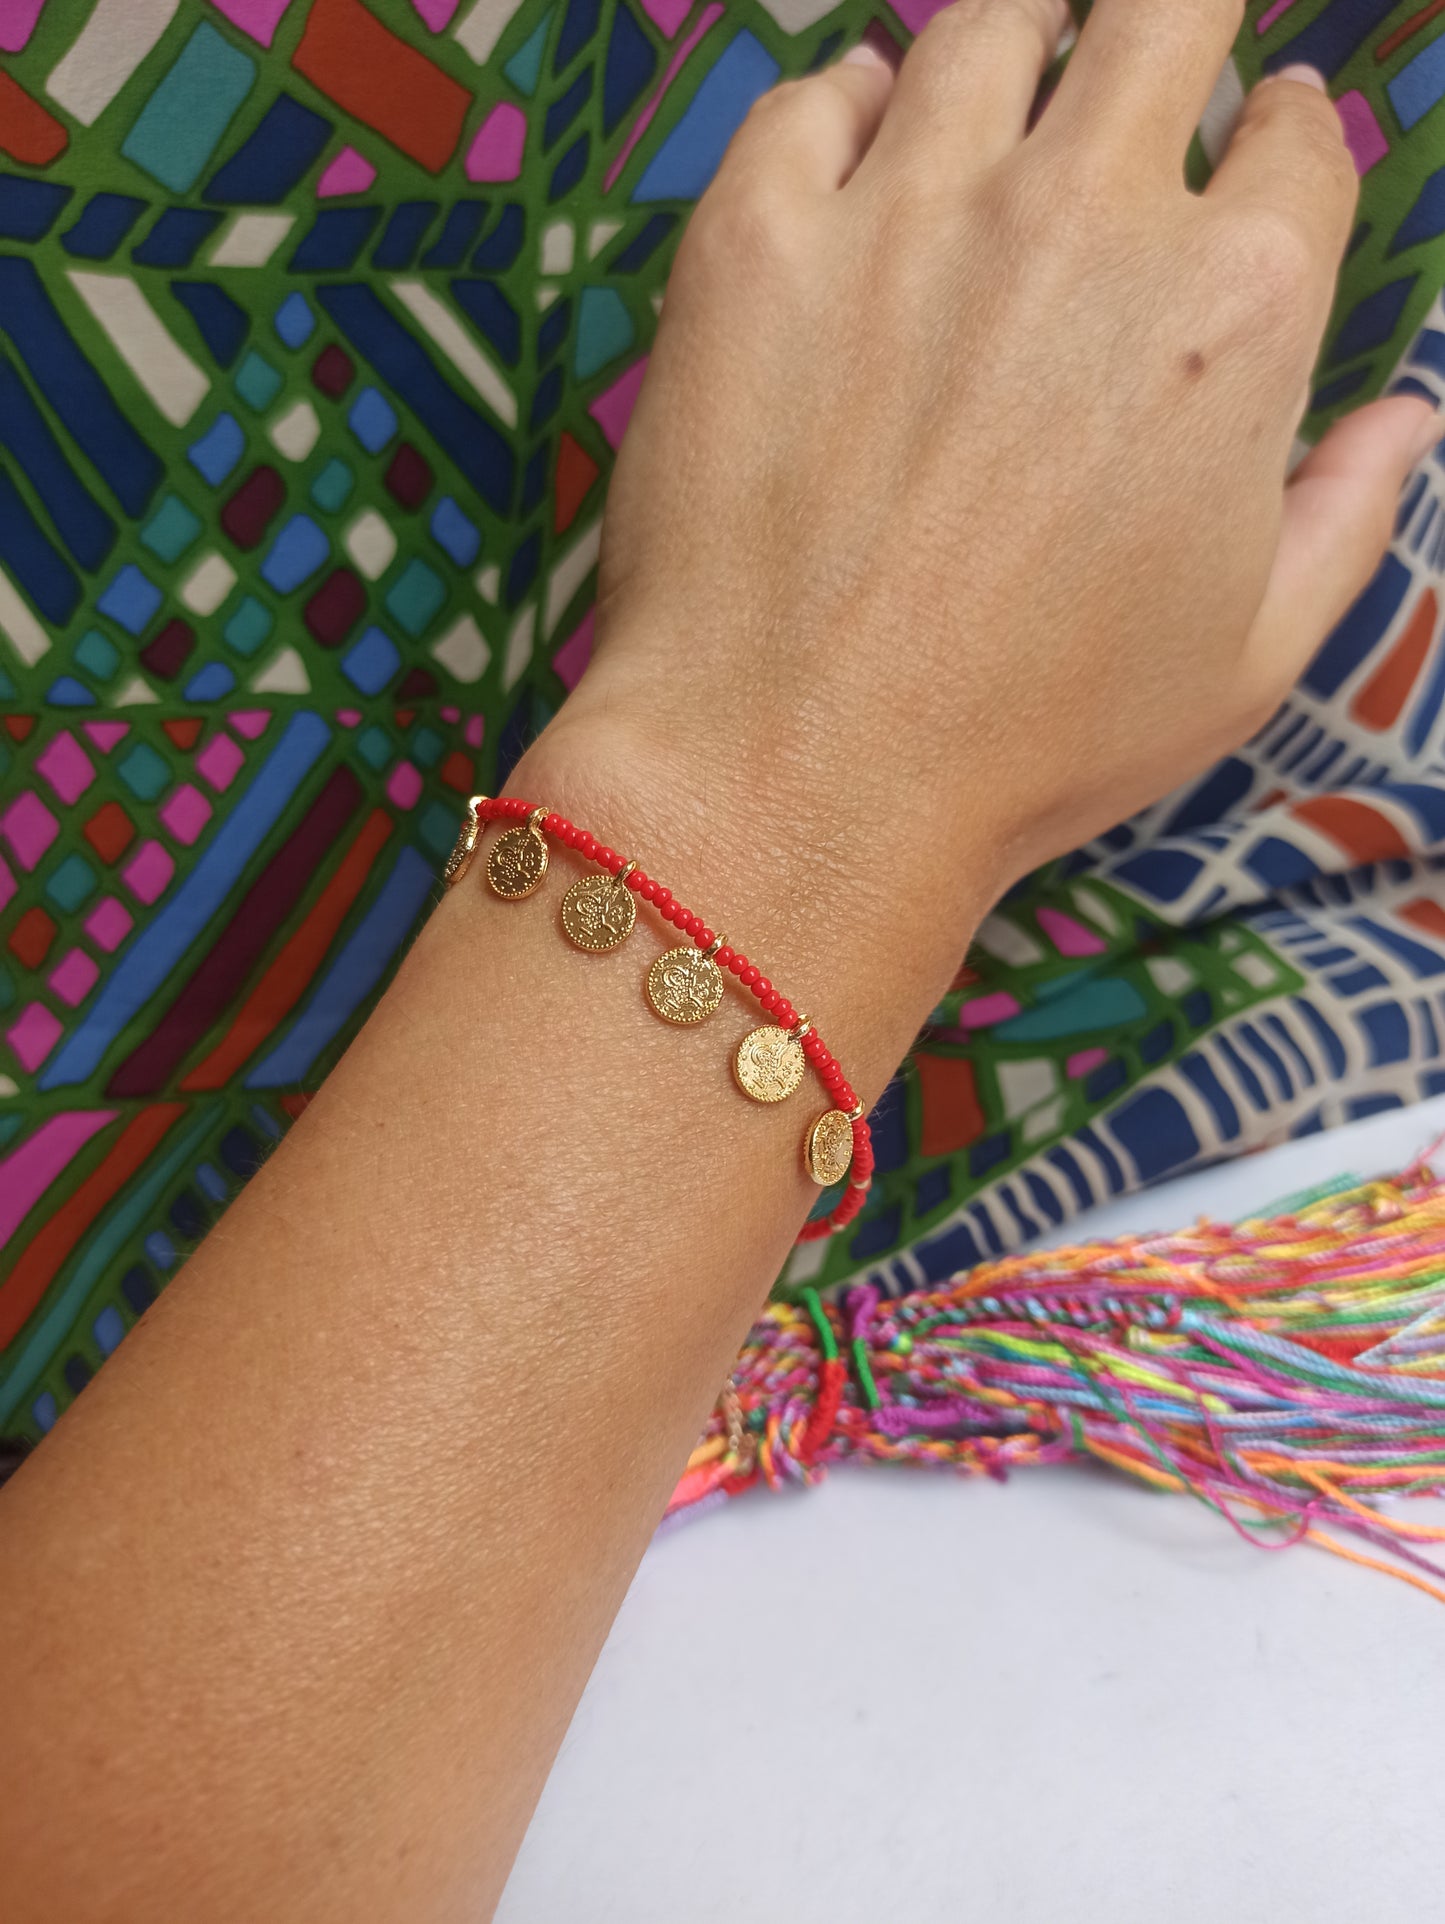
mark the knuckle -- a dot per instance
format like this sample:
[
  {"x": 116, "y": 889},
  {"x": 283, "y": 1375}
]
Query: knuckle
[
  {"x": 1273, "y": 262},
  {"x": 740, "y": 229}
]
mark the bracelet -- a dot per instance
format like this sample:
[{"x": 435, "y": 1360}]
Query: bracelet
[{"x": 685, "y": 984}]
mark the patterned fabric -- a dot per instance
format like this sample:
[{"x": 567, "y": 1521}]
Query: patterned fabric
[{"x": 319, "y": 324}]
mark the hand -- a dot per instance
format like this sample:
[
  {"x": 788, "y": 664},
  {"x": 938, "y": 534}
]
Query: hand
[{"x": 952, "y": 524}]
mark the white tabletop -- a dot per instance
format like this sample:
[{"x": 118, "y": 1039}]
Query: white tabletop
[{"x": 908, "y": 1698}]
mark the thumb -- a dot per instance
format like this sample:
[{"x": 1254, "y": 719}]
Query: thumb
[{"x": 1339, "y": 515}]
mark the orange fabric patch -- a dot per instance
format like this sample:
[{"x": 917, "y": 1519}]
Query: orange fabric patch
[
  {"x": 1379, "y": 702},
  {"x": 110, "y": 831},
  {"x": 1361, "y": 831},
  {"x": 27, "y": 132},
  {"x": 354, "y": 60},
  {"x": 31, "y": 937},
  {"x": 576, "y": 471},
  {"x": 952, "y": 1112},
  {"x": 1426, "y": 915}
]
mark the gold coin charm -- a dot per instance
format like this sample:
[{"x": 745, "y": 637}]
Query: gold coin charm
[
  {"x": 518, "y": 861},
  {"x": 598, "y": 913},
  {"x": 460, "y": 859},
  {"x": 828, "y": 1150},
  {"x": 684, "y": 985},
  {"x": 769, "y": 1064}
]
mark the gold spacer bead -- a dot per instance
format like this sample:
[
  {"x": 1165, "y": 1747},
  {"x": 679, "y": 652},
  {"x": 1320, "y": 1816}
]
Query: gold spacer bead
[
  {"x": 855, "y": 1114},
  {"x": 712, "y": 948},
  {"x": 620, "y": 878},
  {"x": 537, "y": 817},
  {"x": 800, "y": 1028}
]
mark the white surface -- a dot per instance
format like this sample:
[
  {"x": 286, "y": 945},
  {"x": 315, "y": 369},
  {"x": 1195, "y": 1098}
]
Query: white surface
[{"x": 905, "y": 1698}]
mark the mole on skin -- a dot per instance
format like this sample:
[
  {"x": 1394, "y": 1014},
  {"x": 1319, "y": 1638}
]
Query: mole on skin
[{"x": 1194, "y": 364}]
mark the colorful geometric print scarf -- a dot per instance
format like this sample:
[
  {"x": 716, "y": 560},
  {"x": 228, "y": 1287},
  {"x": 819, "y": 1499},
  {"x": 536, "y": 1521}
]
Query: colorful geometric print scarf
[{"x": 320, "y": 321}]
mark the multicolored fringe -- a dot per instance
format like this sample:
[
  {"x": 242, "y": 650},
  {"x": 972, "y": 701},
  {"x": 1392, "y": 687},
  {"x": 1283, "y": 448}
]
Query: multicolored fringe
[{"x": 1288, "y": 1370}]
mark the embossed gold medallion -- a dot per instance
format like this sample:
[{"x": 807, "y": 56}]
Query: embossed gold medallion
[
  {"x": 465, "y": 847},
  {"x": 828, "y": 1150},
  {"x": 517, "y": 863},
  {"x": 598, "y": 913},
  {"x": 684, "y": 985},
  {"x": 769, "y": 1064}
]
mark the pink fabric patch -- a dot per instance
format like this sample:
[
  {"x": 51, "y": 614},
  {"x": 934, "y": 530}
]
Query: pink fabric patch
[
  {"x": 1085, "y": 1061},
  {"x": 1363, "y": 134},
  {"x": 985, "y": 1009},
  {"x": 74, "y": 976},
  {"x": 17, "y": 23},
  {"x": 404, "y": 785},
  {"x": 612, "y": 409},
  {"x": 575, "y": 653},
  {"x": 29, "y": 827},
  {"x": 448, "y": 714},
  {"x": 349, "y": 173},
  {"x": 706, "y": 19},
  {"x": 1267, "y": 19},
  {"x": 349, "y": 717},
  {"x": 27, "y": 1172},
  {"x": 8, "y": 886},
  {"x": 667, "y": 15},
  {"x": 1068, "y": 936},
  {"x": 109, "y": 923},
  {"x": 67, "y": 767},
  {"x": 148, "y": 871},
  {"x": 219, "y": 762},
  {"x": 496, "y": 153},
  {"x": 186, "y": 813},
  {"x": 475, "y": 726},
  {"x": 105, "y": 735},
  {"x": 259, "y": 18},
  {"x": 250, "y": 722},
  {"x": 916, "y": 14},
  {"x": 34, "y": 1035},
  {"x": 436, "y": 13}
]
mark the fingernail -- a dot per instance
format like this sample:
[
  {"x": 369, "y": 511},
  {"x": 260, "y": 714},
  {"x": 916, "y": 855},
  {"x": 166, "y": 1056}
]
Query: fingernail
[
  {"x": 1304, "y": 76},
  {"x": 865, "y": 54}
]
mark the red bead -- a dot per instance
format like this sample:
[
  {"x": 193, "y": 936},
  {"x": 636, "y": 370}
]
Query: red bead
[
  {"x": 771, "y": 1001},
  {"x": 762, "y": 987},
  {"x": 705, "y": 937},
  {"x": 572, "y": 837},
  {"x": 725, "y": 956},
  {"x": 552, "y": 822},
  {"x": 648, "y": 890},
  {"x": 750, "y": 975},
  {"x": 609, "y": 858},
  {"x": 637, "y": 881},
  {"x": 812, "y": 1045}
]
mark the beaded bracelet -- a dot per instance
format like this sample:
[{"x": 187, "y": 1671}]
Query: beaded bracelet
[{"x": 685, "y": 984}]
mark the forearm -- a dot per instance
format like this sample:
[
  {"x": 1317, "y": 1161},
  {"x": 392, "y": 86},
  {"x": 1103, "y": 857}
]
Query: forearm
[{"x": 318, "y": 1567}]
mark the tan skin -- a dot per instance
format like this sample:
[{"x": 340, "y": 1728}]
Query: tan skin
[{"x": 295, "y": 1604}]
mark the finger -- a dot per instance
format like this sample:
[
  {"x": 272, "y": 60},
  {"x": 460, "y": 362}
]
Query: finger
[
  {"x": 814, "y": 132},
  {"x": 1339, "y": 515},
  {"x": 1288, "y": 156},
  {"x": 1143, "y": 73},
  {"x": 967, "y": 83}
]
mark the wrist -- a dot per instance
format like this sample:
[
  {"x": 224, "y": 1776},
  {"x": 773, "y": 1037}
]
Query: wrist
[{"x": 862, "y": 923}]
